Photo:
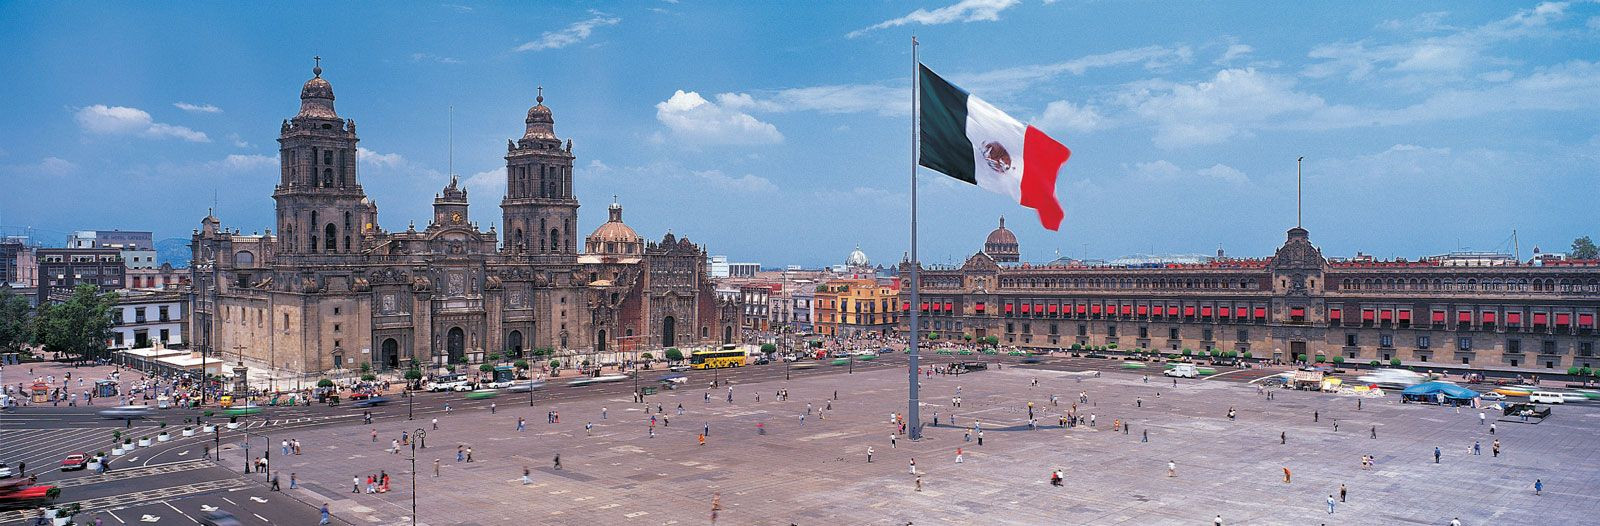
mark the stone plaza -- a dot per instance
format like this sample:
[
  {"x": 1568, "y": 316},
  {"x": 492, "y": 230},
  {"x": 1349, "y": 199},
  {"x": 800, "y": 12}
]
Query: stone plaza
[{"x": 815, "y": 470}]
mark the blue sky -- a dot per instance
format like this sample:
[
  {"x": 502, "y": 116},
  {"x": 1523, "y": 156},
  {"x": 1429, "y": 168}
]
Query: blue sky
[{"x": 779, "y": 133}]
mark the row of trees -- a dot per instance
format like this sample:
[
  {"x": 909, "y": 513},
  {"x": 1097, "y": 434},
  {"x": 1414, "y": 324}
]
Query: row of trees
[{"x": 78, "y": 327}]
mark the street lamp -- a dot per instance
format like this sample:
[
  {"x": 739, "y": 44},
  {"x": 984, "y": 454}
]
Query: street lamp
[{"x": 420, "y": 434}]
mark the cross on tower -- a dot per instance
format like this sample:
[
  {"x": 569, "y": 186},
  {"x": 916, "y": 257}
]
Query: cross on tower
[
  {"x": 540, "y": 98},
  {"x": 317, "y": 69}
]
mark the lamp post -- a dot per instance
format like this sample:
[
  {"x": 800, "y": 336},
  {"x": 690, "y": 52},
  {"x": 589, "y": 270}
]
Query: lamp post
[
  {"x": 410, "y": 396},
  {"x": 419, "y": 433}
]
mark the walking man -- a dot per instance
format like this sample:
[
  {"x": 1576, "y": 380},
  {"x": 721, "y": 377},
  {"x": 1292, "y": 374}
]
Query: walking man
[
  {"x": 1283, "y": 437},
  {"x": 557, "y": 461},
  {"x": 1172, "y": 468},
  {"x": 1330, "y": 504},
  {"x": 1477, "y": 449},
  {"x": 1374, "y": 432},
  {"x": 1436, "y": 454},
  {"x": 958, "y": 455},
  {"x": 1341, "y": 492},
  {"x": 891, "y": 441},
  {"x": 869, "y": 454},
  {"x": 1494, "y": 447},
  {"x": 526, "y": 476},
  {"x": 913, "y": 466},
  {"x": 1538, "y": 486}
]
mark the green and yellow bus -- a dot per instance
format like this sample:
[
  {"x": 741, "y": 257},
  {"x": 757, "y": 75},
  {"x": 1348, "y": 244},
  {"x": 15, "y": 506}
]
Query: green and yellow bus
[{"x": 729, "y": 356}]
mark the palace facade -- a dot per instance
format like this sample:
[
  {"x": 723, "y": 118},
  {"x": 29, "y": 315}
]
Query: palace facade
[
  {"x": 1504, "y": 316},
  {"x": 332, "y": 290}
]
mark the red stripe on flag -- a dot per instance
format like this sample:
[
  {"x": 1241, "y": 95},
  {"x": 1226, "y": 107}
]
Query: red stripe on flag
[{"x": 1042, "y": 160}]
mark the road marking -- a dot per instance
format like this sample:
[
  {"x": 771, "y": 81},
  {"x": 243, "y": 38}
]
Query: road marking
[
  {"x": 150, "y": 518},
  {"x": 263, "y": 519},
  {"x": 209, "y": 508},
  {"x": 180, "y": 512},
  {"x": 258, "y": 499},
  {"x": 1223, "y": 373}
]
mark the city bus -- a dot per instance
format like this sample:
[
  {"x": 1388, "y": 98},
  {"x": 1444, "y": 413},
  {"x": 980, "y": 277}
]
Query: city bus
[{"x": 728, "y": 356}]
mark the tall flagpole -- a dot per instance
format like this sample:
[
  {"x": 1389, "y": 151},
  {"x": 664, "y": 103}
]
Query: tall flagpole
[{"x": 911, "y": 366}]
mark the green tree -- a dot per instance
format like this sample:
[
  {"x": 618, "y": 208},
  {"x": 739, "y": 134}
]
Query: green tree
[
  {"x": 993, "y": 340},
  {"x": 555, "y": 363},
  {"x": 79, "y": 326},
  {"x": 1584, "y": 248},
  {"x": 647, "y": 356},
  {"x": 933, "y": 335},
  {"x": 413, "y": 374},
  {"x": 767, "y": 348},
  {"x": 486, "y": 367},
  {"x": 967, "y": 337},
  {"x": 366, "y": 367},
  {"x": 1394, "y": 362},
  {"x": 324, "y": 383},
  {"x": 1338, "y": 360},
  {"x": 15, "y": 326},
  {"x": 520, "y": 364},
  {"x": 368, "y": 377},
  {"x": 673, "y": 354}
]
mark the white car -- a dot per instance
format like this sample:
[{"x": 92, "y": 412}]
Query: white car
[
  {"x": 449, "y": 384},
  {"x": 6, "y": 472}
]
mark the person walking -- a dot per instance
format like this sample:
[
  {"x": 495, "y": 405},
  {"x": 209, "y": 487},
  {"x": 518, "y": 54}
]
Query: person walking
[
  {"x": 1538, "y": 486},
  {"x": 324, "y": 514},
  {"x": 1436, "y": 454},
  {"x": 891, "y": 441},
  {"x": 522, "y": 425},
  {"x": 980, "y": 437},
  {"x": 1494, "y": 447},
  {"x": 958, "y": 455},
  {"x": 1330, "y": 504},
  {"x": 557, "y": 461},
  {"x": 1287, "y": 476},
  {"x": 294, "y": 481},
  {"x": 1491, "y": 428},
  {"x": 1481, "y": 417},
  {"x": 436, "y": 467},
  {"x": 1283, "y": 437},
  {"x": 491, "y": 407},
  {"x": 355, "y": 484},
  {"x": 435, "y": 424},
  {"x": 1374, "y": 432},
  {"x": 1477, "y": 449},
  {"x": 1342, "y": 491},
  {"x": 919, "y": 482},
  {"x": 461, "y": 453},
  {"x": 527, "y": 477},
  {"x": 702, "y": 439},
  {"x": 603, "y": 413},
  {"x": 1172, "y": 468},
  {"x": 1315, "y": 416},
  {"x": 913, "y": 466},
  {"x": 716, "y": 506},
  {"x": 869, "y": 454},
  {"x": 1146, "y": 437},
  {"x": 275, "y": 482}
]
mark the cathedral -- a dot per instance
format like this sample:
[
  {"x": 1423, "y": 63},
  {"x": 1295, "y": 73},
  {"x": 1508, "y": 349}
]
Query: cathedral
[{"x": 332, "y": 290}]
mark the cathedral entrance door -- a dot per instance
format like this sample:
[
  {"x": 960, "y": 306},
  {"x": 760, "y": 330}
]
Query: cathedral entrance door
[
  {"x": 669, "y": 331},
  {"x": 600, "y": 341},
  {"x": 514, "y": 343},
  {"x": 456, "y": 344},
  {"x": 390, "y": 357}
]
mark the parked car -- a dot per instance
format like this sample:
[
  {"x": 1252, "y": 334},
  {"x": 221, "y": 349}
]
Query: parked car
[
  {"x": 449, "y": 383},
  {"x": 1546, "y": 397},
  {"x": 679, "y": 368},
  {"x": 1183, "y": 370},
  {"x": 75, "y": 461}
]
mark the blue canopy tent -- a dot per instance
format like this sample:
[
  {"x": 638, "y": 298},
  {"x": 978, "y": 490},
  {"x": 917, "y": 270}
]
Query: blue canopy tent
[{"x": 1438, "y": 392}]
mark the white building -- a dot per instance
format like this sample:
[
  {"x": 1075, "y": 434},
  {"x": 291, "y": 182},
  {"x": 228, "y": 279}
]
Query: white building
[{"x": 145, "y": 319}]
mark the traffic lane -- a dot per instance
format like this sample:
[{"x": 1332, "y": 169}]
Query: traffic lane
[{"x": 192, "y": 509}]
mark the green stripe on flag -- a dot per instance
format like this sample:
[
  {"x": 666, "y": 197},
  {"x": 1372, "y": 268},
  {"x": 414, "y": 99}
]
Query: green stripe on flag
[{"x": 943, "y": 125}]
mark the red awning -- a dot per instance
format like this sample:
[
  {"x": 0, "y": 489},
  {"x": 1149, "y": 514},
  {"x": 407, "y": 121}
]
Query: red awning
[
  {"x": 1094, "y": 308},
  {"x": 1539, "y": 318},
  {"x": 978, "y": 307},
  {"x": 1239, "y": 312},
  {"x": 1127, "y": 309},
  {"x": 1335, "y": 314},
  {"x": 949, "y": 306},
  {"x": 1438, "y": 316},
  {"x": 1586, "y": 321},
  {"x": 1261, "y": 313},
  {"x": 1297, "y": 312},
  {"x": 1188, "y": 310},
  {"x": 1082, "y": 308},
  {"x": 905, "y": 306},
  {"x": 1366, "y": 314},
  {"x": 1008, "y": 307},
  {"x": 1144, "y": 309},
  {"x": 1563, "y": 319},
  {"x": 1385, "y": 314},
  {"x": 1464, "y": 316},
  {"x": 1224, "y": 311},
  {"x": 1205, "y": 312},
  {"x": 1027, "y": 307},
  {"x": 924, "y": 305},
  {"x": 1405, "y": 314},
  {"x": 1514, "y": 318},
  {"x": 1038, "y": 308},
  {"x": 1053, "y": 308},
  {"x": 1488, "y": 317}
]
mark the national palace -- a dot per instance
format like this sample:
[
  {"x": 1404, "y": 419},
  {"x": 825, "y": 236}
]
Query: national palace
[
  {"x": 1507, "y": 315},
  {"x": 331, "y": 290}
]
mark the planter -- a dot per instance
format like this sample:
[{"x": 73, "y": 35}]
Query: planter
[
  {"x": 163, "y": 437},
  {"x": 233, "y": 425},
  {"x": 94, "y": 466},
  {"x": 61, "y": 521},
  {"x": 188, "y": 432},
  {"x": 117, "y": 451},
  {"x": 144, "y": 442},
  {"x": 208, "y": 428}
]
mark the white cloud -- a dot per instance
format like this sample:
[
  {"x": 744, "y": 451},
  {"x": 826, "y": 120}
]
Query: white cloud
[
  {"x": 391, "y": 160},
  {"x": 458, "y": 7},
  {"x": 1231, "y": 104},
  {"x": 1424, "y": 23},
  {"x": 572, "y": 34},
  {"x": 1063, "y": 115},
  {"x": 122, "y": 120},
  {"x": 488, "y": 182},
  {"x": 237, "y": 162},
  {"x": 1156, "y": 169},
  {"x": 394, "y": 164},
  {"x": 1224, "y": 173},
  {"x": 429, "y": 57},
  {"x": 963, "y": 11},
  {"x": 838, "y": 98},
  {"x": 1434, "y": 60},
  {"x": 197, "y": 108},
  {"x": 595, "y": 167},
  {"x": 698, "y": 120},
  {"x": 54, "y": 166},
  {"x": 746, "y": 183},
  {"x": 238, "y": 142},
  {"x": 1233, "y": 52},
  {"x": 1010, "y": 80}
]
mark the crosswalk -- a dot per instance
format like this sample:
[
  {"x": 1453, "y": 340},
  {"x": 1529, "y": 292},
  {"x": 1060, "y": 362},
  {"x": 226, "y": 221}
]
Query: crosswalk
[
  {"x": 136, "y": 497},
  {"x": 132, "y": 473},
  {"x": 45, "y": 448}
]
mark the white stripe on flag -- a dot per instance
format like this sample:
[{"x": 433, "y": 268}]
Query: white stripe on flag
[{"x": 998, "y": 169}]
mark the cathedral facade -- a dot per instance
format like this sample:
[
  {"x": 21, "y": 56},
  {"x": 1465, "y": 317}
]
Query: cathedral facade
[{"x": 331, "y": 290}]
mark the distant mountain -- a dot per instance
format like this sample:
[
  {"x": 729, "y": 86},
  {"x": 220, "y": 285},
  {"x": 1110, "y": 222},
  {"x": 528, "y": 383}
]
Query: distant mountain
[{"x": 175, "y": 251}]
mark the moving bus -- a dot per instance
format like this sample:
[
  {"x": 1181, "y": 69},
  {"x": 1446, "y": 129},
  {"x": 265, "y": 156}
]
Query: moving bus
[{"x": 729, "y": 356}]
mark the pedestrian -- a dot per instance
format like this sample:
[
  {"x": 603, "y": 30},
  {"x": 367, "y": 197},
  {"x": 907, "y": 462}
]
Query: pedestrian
[
  {"x": 285, "y": 447},
  {"x": 913, "y": 466},
  {"x": 1314, "y": 416},
  {"x": 966, "y": 435},
  {"x": 1495, "y": 447},
  {"x": 1481, "y": 417},
  {"x": 522, "y": 425},
  {"x": 958, "y": 455},
  {"x": 1374, "y": 432},
  {"x": 1342, "y": 491},
  {"x": 526, "y": 476},
  {"x": 1172, "y": 468},
  {"x": 275, "y": 482},
  {"x": 436, "y": 424},
  {"x": 1146, "y": 437},
  {"x": 461, "y": 452},
  {"x": 469, "y": 454},
  {"x": 980, "y": 437},
  {"x": 374, "y": 435},
  {"x": 716, "y": 506},
  {"x": 324, "y": 514},
  {"x": 1055, "y": 477},
  {"x": 1491, "y": 429},
  {"x": 294, "y": 481},
  {"x": 1436, "y": 454},
  {"x": 1287, "y": 476},
  {"x": 702, "y": 439},
  {"x": 603, "y": 413},
  {"x": 919, "y": 482},
  {"x": 869, "y": 454},
  {"x": 1455, "y": 522},
  {"x": 557, "y": 461},
  {"x": 705, "y": 429},
  {"x": 1283, "y": 437},
  {"x": 588, "y": 428},
  {"x": 1330, "y": 504},
  {"x": 355, "y": 484},
  {"x": 372, "y": 484},
  {"x": 436, "y": 467},
  {"x": 394, "y": 447},
  {"x": 891, "y": 441},
  {"x": 1477, "y": 449},
  {"x": 1538, "y": 486},
  {"x": 1217, "y": 521},
  {"x": 1138, "y": 402}
]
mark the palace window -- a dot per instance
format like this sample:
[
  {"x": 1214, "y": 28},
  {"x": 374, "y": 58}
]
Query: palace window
[
  {"x": 1513, "y": 345},
  {"x": 1172, "y": 333},
  {"x": 1424, "y": 341}
]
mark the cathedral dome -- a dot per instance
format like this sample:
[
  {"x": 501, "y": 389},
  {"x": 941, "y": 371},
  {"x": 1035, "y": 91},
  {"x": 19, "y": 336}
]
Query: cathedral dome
[
  {"x": 316, "y": 96},
  {"x": 615, "y": 237},
  {"x": 857, "y": 258},
  {"x": 541, "y": 125},
  {"x": 1002, "y": 244}
]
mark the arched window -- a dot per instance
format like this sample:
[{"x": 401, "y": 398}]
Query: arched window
[
  {"x": 555, "y": 239},
  {"x": 244, "y": 258},
  {"x": 330, "y": 238},
  {"x": 327, "y": 177}
]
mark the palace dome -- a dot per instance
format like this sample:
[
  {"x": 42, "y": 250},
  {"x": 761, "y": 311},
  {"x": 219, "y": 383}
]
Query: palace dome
[
  {"x": 615, "y": 237},
  {"x": 857, "y": 258},
  {"x": 1002, "y": 244},
  {"x": 316, "y": 96}
]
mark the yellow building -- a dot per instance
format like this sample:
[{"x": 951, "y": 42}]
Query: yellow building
[{"x": 851, "y": 308}]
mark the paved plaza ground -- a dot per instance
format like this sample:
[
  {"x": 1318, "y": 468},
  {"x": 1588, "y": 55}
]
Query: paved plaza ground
[{"x": 816, "y": 472}]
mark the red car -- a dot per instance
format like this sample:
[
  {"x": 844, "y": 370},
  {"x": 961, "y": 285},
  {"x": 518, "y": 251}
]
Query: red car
[{"x": 75, "y": 461}]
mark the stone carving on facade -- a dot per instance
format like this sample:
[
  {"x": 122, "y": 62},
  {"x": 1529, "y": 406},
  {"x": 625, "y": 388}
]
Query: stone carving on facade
[
  {"x": 421, "y": 284},
  {"x": 456, "y": 284},
  {"x": 388, "y": 304}
]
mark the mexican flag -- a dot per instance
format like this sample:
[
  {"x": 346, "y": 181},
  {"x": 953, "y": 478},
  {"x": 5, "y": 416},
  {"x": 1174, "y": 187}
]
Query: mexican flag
[{"x": 968, "y": 139}]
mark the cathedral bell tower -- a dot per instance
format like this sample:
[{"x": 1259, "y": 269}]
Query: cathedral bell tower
[
  {"x": 540, "y": 212},
  {"x": 321, "y": 207}
]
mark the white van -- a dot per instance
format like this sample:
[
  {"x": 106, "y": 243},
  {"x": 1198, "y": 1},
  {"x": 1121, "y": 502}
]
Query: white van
[
  {"x": 1183, "y": 370},
  {"x": 1546, "y": 397}
]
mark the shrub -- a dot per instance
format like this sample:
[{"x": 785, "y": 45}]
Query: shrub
[
  {"x": 647, "y": 356},
  {"x": 488, "y": 368},
  {"x": 1338, "y": 359},
  {"x": 1572, "y": 370},
  {"x": 1300, "y": 357},
  {"x": 1322, "y": 358},
  {"x": 366, "y": 367},
  {"x": 1187, "y": 352},
  {"x": 324, "y": 383},
  {"x": 1113, "y": 346},
  {"x": 554, "y": 363},
  {"x": 967, "y": 337},
  {"x": 369, "y": 377},
  {"x": 674, "y": 354},
  {"x": 1077, "y": 347},
  {"x": 1374, "y": 363},
  {"x": 933, "y": 335},
  {"x": 494, "y": 357},
  {"x": 520, "y": 364},
  {"x": 1394, "y": 362},
  {"x": 413, "y": 374},
  {"x": 1585, "y": 371},
  {"x": 767, "y": 348},
  {"x": 1247, "y": 355}
]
